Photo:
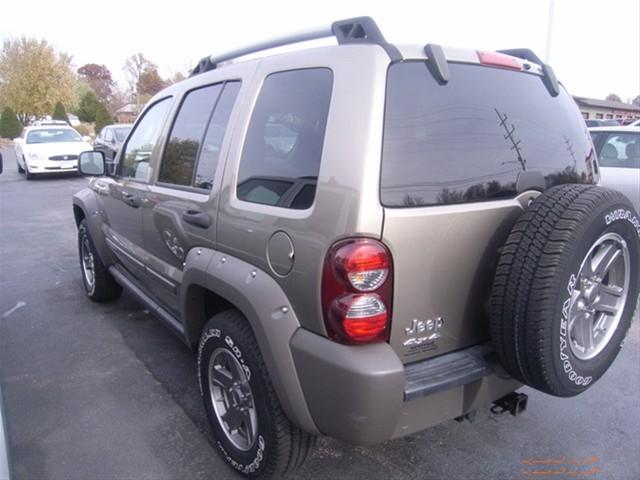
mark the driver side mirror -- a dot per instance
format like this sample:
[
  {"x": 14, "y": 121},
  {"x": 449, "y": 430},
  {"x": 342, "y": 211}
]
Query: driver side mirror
[{"x": 92, "y": 164}]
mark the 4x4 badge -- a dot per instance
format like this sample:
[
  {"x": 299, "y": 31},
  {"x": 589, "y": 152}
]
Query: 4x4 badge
[{"x": 427, "y": 331}]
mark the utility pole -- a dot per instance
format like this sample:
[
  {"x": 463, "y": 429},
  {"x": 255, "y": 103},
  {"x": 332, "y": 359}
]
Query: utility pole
[{"x": 547, "y": 52}]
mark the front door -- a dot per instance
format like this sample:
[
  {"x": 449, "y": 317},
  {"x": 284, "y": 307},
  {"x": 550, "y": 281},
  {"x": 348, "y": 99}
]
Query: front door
[{"x": 124, "y": 201}]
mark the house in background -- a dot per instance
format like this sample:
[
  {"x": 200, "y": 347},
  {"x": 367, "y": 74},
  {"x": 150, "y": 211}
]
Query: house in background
[
  {"x": 592, "y": 108},
  {"x": 128, "y": 113}
]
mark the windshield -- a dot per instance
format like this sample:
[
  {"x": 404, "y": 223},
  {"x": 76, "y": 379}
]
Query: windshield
[
  {"x": 121, "y": 133},
  {"x": 470, "y": 139},
  {"x": 53, "y": 135}
]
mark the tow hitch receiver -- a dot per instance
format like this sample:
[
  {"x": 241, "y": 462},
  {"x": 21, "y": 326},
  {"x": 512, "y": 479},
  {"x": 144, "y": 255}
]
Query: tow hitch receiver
[{"x": 515, "y": 403}]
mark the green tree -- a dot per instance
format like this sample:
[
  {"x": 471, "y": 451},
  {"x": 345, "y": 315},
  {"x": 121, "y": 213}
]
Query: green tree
[
  {"x": 102, "y": 117},
  {"x": 60, "y": 113},
  {"x": 10, "y": 126},
  {"x": 33, "y": 77},
  {"x": 88, "y": 107}
]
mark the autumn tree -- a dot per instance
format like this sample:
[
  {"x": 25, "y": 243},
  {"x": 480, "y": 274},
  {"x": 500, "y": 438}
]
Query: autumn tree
[
  {"x": 103, "y": 118},
  {"x": 177, "y": 77},
  {"x": 98, "y": 77},
  {"x": 10, "y": 126},
  {"x": 60, "y": 113},
  {"x": 135, "y": 66},
  {"x": 88, "y": 107},
  {"x": 34, "y": 77},
  {"x": 150, "y": 82},
  {"x": 613, "y": 98}
]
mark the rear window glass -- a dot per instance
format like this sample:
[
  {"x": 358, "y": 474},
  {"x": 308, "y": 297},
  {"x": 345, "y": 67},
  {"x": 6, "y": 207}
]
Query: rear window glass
[
  {"x": 468, "y": 140},
  {"x": 282, "y": 151}
]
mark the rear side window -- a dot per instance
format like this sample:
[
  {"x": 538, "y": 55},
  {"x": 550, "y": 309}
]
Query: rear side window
[
  {"x": 192, "y": 152},
  {"x": 468, "y": 140},
  {"x": 281, "y": 156},
  {"x": 186, "y": 135},
  {"x": 617, "y": 149},
  {"x": 212, "y": 142}
]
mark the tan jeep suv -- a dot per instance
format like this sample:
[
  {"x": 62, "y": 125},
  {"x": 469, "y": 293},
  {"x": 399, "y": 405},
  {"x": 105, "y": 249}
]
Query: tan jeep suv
[{"x": 362, "y": 240}]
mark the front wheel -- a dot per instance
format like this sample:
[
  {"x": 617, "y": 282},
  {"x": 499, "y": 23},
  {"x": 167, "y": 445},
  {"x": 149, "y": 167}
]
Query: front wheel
[
  {"x": 28, "y": 174},
  {"x": 252, "y": 433},
  {"x": 98, "y": 283}
]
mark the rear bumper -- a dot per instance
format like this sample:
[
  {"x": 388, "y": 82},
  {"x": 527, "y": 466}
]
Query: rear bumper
[{"x": 364, "y": 395}]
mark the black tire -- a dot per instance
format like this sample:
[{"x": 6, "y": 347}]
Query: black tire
[
  {"x": 28, "y": 174},
  {"x": 20, "y": 169},
  {"x": 535, "y": 282},
  {"x": 279, "y": 448},
  {"x": 104, "y": 287}
]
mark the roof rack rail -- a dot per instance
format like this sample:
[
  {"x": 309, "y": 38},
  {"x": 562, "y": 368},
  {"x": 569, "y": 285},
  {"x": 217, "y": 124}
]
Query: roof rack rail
[
  {"x": 347, "y": 31},
  {"x": 548, "y": 75}
]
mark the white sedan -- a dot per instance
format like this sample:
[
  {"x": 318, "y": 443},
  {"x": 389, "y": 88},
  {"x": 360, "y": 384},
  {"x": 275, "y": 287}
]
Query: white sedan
[
  {"x": 618, "y": 150},
  {"x": 49, "y": 149}
]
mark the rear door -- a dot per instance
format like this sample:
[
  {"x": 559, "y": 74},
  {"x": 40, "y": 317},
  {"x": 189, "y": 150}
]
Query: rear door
[
  {"x": 455, "y": 157},
  {"x": 124, "y": 193},
  {"x": 180, "y": 207}
]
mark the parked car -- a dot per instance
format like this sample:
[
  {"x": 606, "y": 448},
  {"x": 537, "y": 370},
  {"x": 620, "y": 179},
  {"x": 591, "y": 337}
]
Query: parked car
[
  {"x": 48, "y": 123},
  {"x": 618, "y": 150},
  {"x": 48, "y": 149},
  {"x": 602, "y": 123},
  {"x": 363, "y": 240},
  {"x": 110, "y": 139}
]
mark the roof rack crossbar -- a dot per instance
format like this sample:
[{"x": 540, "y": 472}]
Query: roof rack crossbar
[{"x": 351, "y": 30}]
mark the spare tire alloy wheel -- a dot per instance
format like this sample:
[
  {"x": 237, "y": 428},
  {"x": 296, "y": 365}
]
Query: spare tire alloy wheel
[
  {"x": 566, "y": 288},
  {"x": 600, "y": 293}
]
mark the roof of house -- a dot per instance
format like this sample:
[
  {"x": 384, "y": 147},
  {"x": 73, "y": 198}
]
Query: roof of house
[
  {"x": 130, "y": 108},
  {"x": 594, "y": 102}
]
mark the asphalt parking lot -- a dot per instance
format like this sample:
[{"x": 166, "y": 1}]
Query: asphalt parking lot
[{"x": 107, "y": 392}]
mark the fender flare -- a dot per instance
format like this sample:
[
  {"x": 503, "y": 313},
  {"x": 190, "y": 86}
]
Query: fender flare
[
  {"x": 263, "y": 303},
  {"x": 87, "y": 206}
]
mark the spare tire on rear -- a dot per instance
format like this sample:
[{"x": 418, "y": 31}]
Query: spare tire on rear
[{"x": 566, "y": 288}]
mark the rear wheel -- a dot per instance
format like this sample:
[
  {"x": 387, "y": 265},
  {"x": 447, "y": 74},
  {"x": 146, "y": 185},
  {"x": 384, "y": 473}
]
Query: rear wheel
[
  {"x": 252, "y": 433},
  {"x": 566, "y": 288}
]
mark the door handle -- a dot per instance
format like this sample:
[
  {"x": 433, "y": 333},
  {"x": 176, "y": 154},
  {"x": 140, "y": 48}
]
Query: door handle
[
  {"x": 131, "y": 200},
  {"x": 197, "y": 218}
]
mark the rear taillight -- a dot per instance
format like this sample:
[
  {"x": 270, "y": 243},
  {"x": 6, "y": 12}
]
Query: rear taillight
[
  {"x": 499, "y": 60},
  {"x": 356, "y": 291}
]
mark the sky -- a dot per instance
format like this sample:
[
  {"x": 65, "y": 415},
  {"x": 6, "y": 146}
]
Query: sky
[{"x": 594, "y": 45}]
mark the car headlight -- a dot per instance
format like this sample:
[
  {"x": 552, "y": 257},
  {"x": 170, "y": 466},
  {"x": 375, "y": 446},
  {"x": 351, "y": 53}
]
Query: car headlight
[{"x": 33, "y": 156}]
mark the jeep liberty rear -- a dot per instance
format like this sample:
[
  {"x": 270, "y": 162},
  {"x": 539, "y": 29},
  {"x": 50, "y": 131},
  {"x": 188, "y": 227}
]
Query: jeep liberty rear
[
  {"x": 455, "y": 158},
  {"x": 362, "y": 241}
]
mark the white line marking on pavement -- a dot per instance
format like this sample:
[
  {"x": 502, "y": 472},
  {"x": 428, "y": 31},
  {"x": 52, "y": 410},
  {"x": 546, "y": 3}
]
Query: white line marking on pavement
[{"x": 20, "y": 304}]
